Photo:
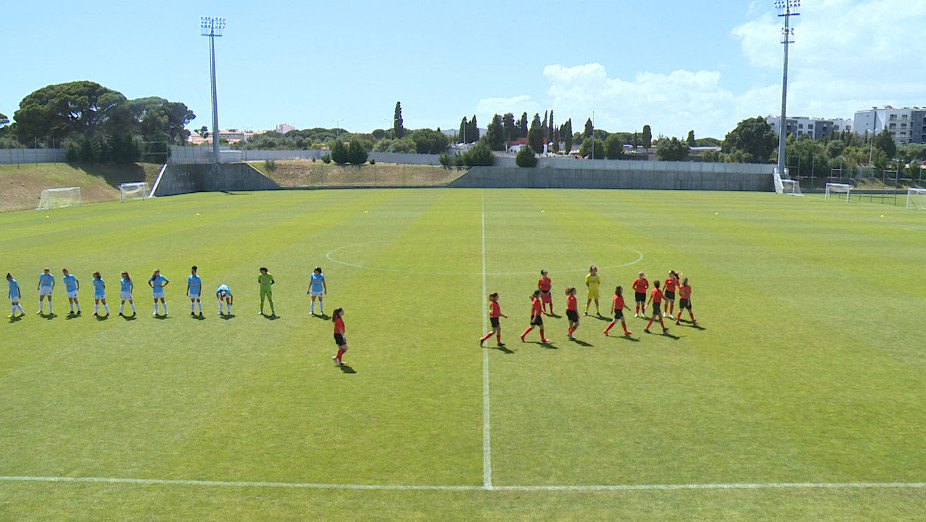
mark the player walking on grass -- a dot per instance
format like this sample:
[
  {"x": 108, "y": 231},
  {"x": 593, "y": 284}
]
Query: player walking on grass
[
  {"x": 125, "y": 293},
  {"x": 317, "y": 288},
  {"x": 71, "y": 286},
  {"x": 668, "y": 288},
  {"x": 157, "y": 282},
  {"x": 338, "y": 318},
  {"x": 640, "y": 284},
  {"x": 655, "y": 297},
  {"x": 572, "y": 310},
  {"x": 592, "y": 281},
  {"x": 495, "y": 311},
  {"x": 222, "y": 293},
  {"x": 536, "y": 317},
  {"x": 684, "y": 301},
  {"x": 265, "y": 280},
  {"x": 46, "y": 285},
  {"x": 99, "y": 295},
  {"x": 14, "y": 294},
  {"x": 545, "y": 284},
  {"x": 194, "y": 289},
  {"x": 617, "y": 308}
]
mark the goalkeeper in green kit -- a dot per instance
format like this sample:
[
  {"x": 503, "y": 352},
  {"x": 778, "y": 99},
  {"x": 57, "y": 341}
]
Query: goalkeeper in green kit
[{"x": 265, "y": 280}]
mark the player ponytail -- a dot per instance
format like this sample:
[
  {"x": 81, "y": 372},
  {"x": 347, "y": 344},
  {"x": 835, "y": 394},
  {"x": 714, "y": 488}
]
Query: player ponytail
[{"x": 338, "y": 312}]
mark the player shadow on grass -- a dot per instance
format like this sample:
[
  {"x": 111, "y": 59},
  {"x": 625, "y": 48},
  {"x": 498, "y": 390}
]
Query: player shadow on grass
[
  {"x": 48, "y": 317},
  {"x": 581, "y": 342},
  {"x": 346, "y": 369},
  {"x": 161, "y": 317},
  {"x": 128, "y": 317},
  {"x": 17, "y": 318},
  {"x": 503, "y": 349},
  {"x": 70, "y": 316},
  {"x": 270, "y": 317},
  {"x": 226, "y": 317},
  {"x": 101, "y": 317},
  {"x": 553, "y": 315},
  {"x": 198, "y": 317}
]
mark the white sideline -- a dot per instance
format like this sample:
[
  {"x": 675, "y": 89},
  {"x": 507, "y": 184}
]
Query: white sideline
[
  {"x": 406, "y": 487},
  {"x": 486, "y": 425}
]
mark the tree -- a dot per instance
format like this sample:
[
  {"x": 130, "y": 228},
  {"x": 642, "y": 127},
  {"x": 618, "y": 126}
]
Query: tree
[
  {"x": 535, "y": 138},
  {"x": 691, "y": 139},
  {"x": 495, "y": 134},
  {"x": 614, "y": 147},
  {"x": 509, "y": 127},
  {"x": 159, "y": 119},
  {"x": 672, "y": 150},
  {"x": 356, "y": 154},
  {"x": 586, "y": 150},
  {"x": 544, "y": 128},
  {"x": 479, "y": 155},
  {"x": 428, "y": 141},
  {"x": 526, "y": 157},
  {"x": 523, "y": 126},
  {"x": 589, "y": 129},
  {"x": 464, "y": 125},
  {"x": 397, "y": 123},
  {"x": 885, "y": 141},
  {"x": 66, "y": 110},
  {"x": 340, "y": 153},
  {"x": 647, "y": 137},
  {"x": 473, "y": 134},
  {"x": 566, "y": 133},
  {"x": 754, "y": 138},
  {"x": 552, "y": 132}
]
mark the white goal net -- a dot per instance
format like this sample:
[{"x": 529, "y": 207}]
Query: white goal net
[
  {"x": 916, "y": 198},
  {"x": 135, "y": 190},
  {"x": 833, "y": 189},
  {"x": 786, "y": 186},
  {"x": 59, "y": 197}
]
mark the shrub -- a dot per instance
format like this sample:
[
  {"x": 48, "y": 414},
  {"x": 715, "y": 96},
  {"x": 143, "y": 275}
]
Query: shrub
[{"x": 526, "y": 157}]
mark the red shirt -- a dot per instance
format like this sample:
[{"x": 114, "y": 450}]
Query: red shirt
[
  {"x": 684, "y": 291},
  {"x": 572, "y": 303},
  {"x": 670, "y": 284},
  {"x": 545, "y": 283},
  {"x": 656, "y": 295},
  {"x": 617, "y": 303},
  {"x": 640, "y": 285},
  {"x": 537, "y": 306},
  {"x": 494, "y": 309},
  {"x": 339, "y": 325}
]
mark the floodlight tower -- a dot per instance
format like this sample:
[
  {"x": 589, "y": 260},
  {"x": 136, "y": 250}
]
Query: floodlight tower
[
  {"x": 786, "y": 9},
  {"x": 213, "y": 27}
]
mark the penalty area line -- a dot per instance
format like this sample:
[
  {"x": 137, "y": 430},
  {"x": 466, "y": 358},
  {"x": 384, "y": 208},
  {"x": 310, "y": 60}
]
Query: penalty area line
[{"x": 412, "y": 487}]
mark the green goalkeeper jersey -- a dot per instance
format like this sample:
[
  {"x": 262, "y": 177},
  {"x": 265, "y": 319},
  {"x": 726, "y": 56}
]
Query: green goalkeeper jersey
[{"x": 265, "y": 281}]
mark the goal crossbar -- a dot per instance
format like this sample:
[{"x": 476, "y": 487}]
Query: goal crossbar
[
  {"x": 916, "y": 198},
  {"x": 837, "y": 188}
]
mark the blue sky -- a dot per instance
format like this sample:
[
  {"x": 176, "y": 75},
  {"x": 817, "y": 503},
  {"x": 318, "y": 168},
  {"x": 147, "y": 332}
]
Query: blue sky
[{"x": 675, "y": 65}]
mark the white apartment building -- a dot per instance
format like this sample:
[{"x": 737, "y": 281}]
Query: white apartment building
[
  {"x": 815, "y": 127},
  {"x": 906, "y": 124}
]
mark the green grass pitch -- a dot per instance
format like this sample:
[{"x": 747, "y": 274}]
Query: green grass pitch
[{"x": 802, "y": 395}]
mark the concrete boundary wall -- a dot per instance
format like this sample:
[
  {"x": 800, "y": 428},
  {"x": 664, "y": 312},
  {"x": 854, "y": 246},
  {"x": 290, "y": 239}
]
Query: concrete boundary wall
[
  {"x": 654, "y": 178},
  {"x": 20, "y": 156},
  {"x": 183, "y": 179}
]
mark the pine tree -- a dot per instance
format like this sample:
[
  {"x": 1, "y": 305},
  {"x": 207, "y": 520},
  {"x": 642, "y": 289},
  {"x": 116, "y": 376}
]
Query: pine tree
[{"x": 397, "y": 123}]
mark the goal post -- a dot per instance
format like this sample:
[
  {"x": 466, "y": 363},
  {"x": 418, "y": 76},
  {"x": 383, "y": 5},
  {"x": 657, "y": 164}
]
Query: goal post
[
  {"x": 916, "y": 198},
  {"x": 837, "y": 188},
  {"x": 133, "y": 190},
  {"x": 59, "y": 198},
  {"x": 786, "y": 186}
]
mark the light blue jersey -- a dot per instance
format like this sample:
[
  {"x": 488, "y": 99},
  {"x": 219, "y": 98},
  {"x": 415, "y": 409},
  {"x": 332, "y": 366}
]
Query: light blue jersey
[
  {"x": 70, "y": 282},
  {"x": 195, "y": 284},
  {"x": 14, "y": 289},
  {"x": 223, "y": 288},
  {"x": 318, "y": 282},
  {"x": 125, "y": 285},
  {"x": 158, "y": 283},
  {"x": 99, "y": 289},
  {"x": 46, "y": 280}
]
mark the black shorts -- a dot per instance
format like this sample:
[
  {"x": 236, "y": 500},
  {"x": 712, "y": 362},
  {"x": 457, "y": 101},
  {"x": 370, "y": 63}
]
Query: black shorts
[
  {"x": 537, "y": 321},
  {"x": 669, "y": 295},
  {"x": 657, "y": 308},
  {"x": 618, "y": 315},
  {"x": 573, "y": 315},
  {"x": 684, "y": 304},
  {"x": 339, "y": 340},
  {"x": 639, "y": 297},
  {"x": 494, "y": 321}
]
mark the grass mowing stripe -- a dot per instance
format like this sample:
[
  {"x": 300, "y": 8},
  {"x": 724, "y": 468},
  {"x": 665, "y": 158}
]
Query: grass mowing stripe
[{"x": 486, "y": 411}]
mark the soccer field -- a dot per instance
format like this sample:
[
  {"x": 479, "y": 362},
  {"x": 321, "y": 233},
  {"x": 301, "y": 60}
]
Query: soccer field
[{"x": 802, "y": 393}]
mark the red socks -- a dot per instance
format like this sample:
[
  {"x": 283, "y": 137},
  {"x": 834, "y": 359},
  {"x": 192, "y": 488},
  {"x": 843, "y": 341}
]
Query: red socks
[{"x": 486, "y": 336}]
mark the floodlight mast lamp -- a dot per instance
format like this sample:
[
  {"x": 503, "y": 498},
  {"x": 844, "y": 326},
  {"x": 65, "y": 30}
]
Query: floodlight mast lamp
[
  {"x": 786, "y": 9},
  {"x": 213, "y": 27}
]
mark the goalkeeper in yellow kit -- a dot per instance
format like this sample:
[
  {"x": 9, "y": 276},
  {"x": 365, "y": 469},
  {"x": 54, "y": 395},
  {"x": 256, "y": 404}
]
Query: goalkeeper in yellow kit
[{"x": 265, "y": 280}]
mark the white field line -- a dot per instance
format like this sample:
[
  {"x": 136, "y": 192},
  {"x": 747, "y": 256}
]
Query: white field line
[
  {"x": 406, "y": 487},
  {"x": 486, "y": 425}
]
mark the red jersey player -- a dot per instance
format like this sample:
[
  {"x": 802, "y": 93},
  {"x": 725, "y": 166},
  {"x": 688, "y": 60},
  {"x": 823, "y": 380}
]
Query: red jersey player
[
  {"x": 684, "y": 301},
  {"x": 545, "y": 285},
  {"x": 655, "y": 297},
  {"x": 536, "y": 317},
  {"x": 339, "y": 340},
  {"x": 617, "y": 308},
  {"x": 640, "y": 284},
  {"x": 572, "y": 310},
  {"x": 495, "y": 311},
  {"x": 668, "y": 290}
]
